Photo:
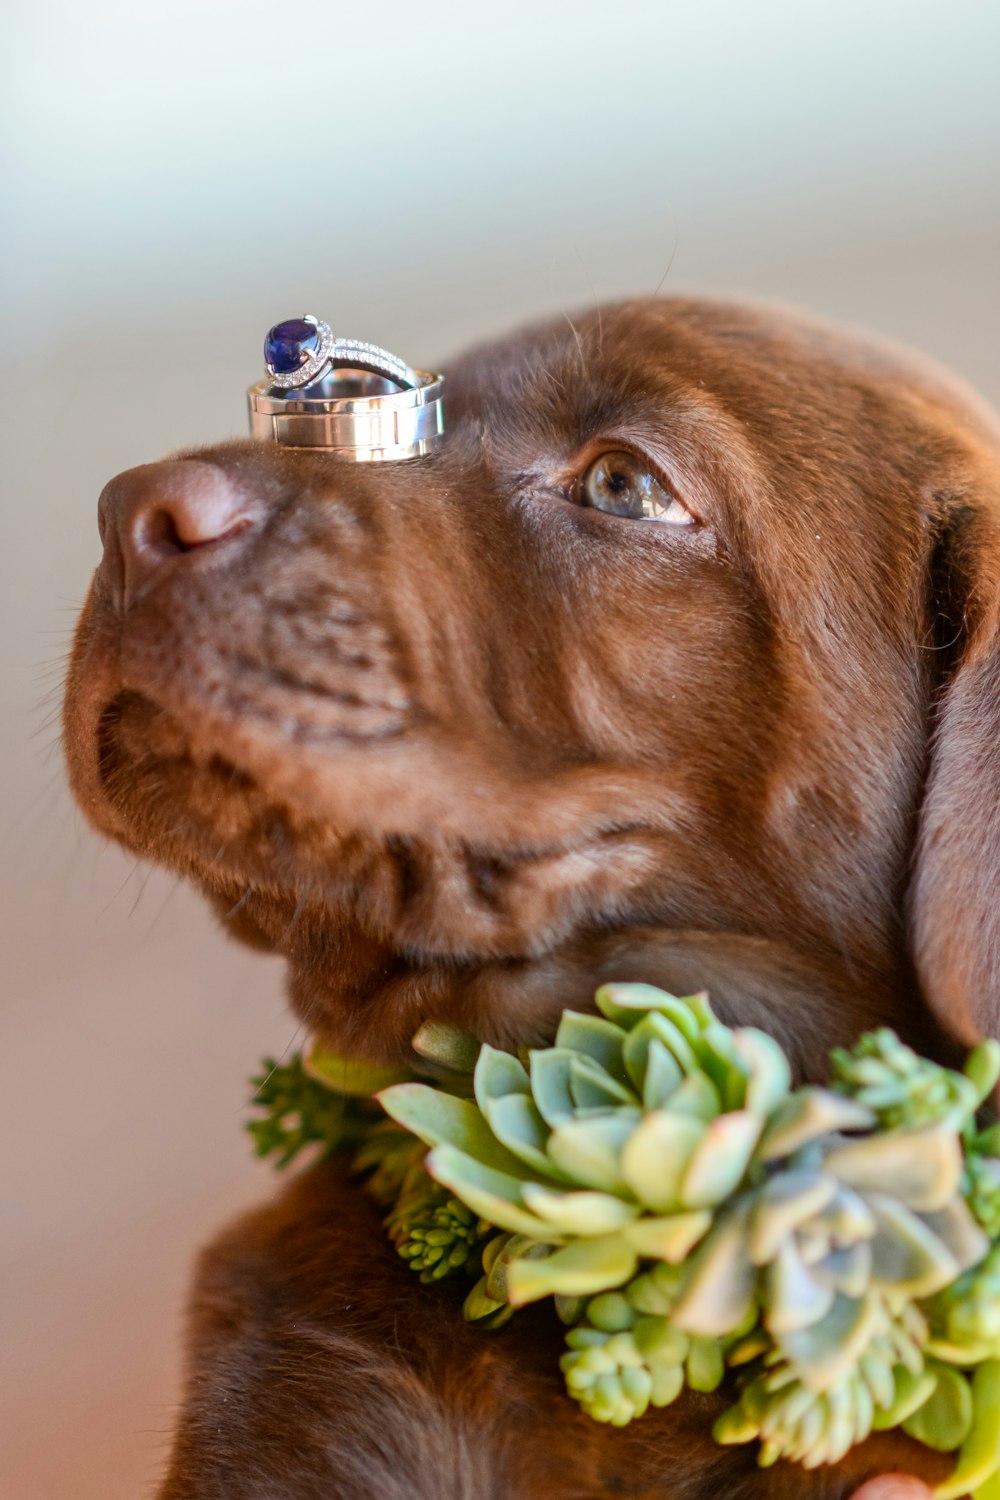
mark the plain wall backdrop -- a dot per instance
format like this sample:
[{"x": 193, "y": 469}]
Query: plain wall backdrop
[{"x": 177, "y": 177}]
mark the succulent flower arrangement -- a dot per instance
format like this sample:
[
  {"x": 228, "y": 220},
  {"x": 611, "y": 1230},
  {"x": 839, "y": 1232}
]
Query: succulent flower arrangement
[{"x": 835, "y": 1250}]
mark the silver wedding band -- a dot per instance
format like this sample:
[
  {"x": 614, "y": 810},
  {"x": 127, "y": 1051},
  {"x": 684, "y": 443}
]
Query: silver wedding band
[{"x": 353, "y": 413}]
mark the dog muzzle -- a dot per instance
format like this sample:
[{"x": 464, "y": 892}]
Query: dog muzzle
[{"x": 344, "y": 396}]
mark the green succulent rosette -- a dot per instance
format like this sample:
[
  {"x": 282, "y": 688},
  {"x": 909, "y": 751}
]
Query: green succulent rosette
[{"x": 691, "y": 1214}]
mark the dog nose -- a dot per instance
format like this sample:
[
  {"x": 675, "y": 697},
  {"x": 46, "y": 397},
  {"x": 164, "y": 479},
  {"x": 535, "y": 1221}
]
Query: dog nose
[{"x": 152, "y": 515}]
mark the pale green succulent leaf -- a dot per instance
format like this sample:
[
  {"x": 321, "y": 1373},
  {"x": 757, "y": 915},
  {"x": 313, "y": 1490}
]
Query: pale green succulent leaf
[
  {"x": 671, "y": 1237},
  {"x": 583, "y": 1212},
  {"x": 439, "y": 1118},
  {"x": 964, "y": 1354},
  {"x": 569, "y": 1310},
  {"x": 720, "y": 1161},
  {"x": 610, "y": 1312},
  {"x": 498, "y": 1074},
  {"x": 691, "y": 1014},
  {"x": 906, "y": 1255},
  {"x": 987, "y": 1142},
  {"x": 673, "y": 1038},
  {"x": 517, "y": 1124},
  {"x": 979, "y": 1456},
  {"x": 596, "y": 1038},
  {"x": 636, "y": 1049},
  {"x": 719, "y": 1057},
  {"x": 579, "y": 1269},
  {"x": 794, "y": 1299},
  {"x": 351, "y": 1075},
  {"x": 989, "y": 1489},
  {"x": 662, "y": 1076},
  {"x": 655, "y": 1290},
  {"x": 447, "y": 1046},
  {"x": 982, "y": 1067},
  {"x": 840, "y": 1428},
  {"x": 655, "y": 1157},
  {"x": 847, "y": 1216},
  {"x": 593, "y": 1087},
  {"x": 808, "y": 1115},
  {"x": 735, "y": 1426},
  {"x": 848, "y": 1270},
  {"x": 550, "y": 1073},
  {"x": 824, "y": 1352},
  {"x": 697, "y": 1096},
  {"x": 589, "y": 1150},
  {"x": 621, "y": 1003},
  {"x": 704, "y": 1365},
  {"x": 769, "y": 1073},
  {"x": 495, "y": 1196},
  {"x": 478, "y": 1304},
  {"x": 944, "y": 1420},
  {"x": 718, "y": 1288},
  {"x": 668, "y": 1382},
  {"x": 493, "y": 1248},
  {"x": 517, "y": 1247},
  {"x": 789, "y": 1199},
  {"x": 672, "y": 1021},
  {"x": 956, "y": 1227},
  {"x": 876, "y": 1369},
  {"x": 747, "y": 1349},
  {"x": 637, "y": 1384},
  {"x": 922, "y": 1165}
]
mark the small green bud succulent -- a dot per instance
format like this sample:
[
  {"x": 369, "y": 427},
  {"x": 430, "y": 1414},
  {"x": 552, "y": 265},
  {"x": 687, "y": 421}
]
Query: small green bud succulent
[
  {"x": 625, "y": 1354},
  {"x": 983, "y": 1191},
  {"x": 965, "y": 1316},
  {"x": 902, "y": 1088},
  {"x": 436, "y": 1235}
]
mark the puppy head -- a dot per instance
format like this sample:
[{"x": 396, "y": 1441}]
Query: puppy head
[{"x": 652, "y": 647}]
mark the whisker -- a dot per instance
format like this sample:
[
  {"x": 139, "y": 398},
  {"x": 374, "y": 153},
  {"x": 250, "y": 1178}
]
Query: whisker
[
  {"x": 579, "y": 341},
  {"x": 239, "y": 905},
  {"x": 296, "y": 914},
  {"x": 118, "y": 892},
  {"x": 164, "y": 904},
  {"x": 279, "y": 1060},
  {"x": 142, "y": 887},
  {"x": 670, "y": 262}
]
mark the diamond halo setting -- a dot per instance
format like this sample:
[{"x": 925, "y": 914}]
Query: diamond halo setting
[{"x": 300, "y": 351}]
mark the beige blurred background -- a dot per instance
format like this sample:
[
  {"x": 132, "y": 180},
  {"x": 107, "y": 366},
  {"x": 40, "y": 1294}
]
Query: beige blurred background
[{"x": 178, "y": 176}]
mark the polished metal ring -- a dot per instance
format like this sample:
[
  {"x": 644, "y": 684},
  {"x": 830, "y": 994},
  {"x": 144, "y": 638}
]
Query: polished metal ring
[{"x": 344, "y": 396}]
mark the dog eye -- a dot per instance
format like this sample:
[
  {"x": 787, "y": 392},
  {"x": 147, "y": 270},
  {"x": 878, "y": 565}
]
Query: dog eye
[{"x": 620, "y": 484}]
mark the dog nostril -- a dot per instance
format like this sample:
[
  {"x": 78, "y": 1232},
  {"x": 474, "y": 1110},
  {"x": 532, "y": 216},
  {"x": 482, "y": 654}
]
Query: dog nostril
[
  {"x": 166, "y": 529},
  {"x": 157, "y": 532}
]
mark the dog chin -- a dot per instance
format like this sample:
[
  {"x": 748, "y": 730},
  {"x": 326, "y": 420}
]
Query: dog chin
[{"x": 275, "y": 872}]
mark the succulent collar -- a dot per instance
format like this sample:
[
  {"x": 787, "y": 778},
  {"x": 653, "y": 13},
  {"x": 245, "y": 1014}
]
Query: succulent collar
[{"x": 835, "y": 1250}]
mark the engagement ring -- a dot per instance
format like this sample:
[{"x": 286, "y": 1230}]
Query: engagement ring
[{"x": 346, "y": 396}]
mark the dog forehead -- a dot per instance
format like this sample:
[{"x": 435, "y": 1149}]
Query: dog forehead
[
  {"x": 725, "y": 379},
  {"x": 769, "y": 366},
  {"x": 556, "y": 378}
]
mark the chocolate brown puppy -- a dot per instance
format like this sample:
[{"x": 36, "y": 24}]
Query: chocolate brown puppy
[{"x": 464, "y": 737}]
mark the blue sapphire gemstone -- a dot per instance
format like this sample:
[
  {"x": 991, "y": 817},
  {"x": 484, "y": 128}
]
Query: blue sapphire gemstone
[{"x": 289, "y": 345}]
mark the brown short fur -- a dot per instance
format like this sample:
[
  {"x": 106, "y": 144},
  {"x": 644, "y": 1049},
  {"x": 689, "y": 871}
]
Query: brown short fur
[{"x": 460, "y": 748}]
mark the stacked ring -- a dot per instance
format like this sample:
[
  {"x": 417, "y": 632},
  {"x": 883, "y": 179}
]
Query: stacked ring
[{"x": 345, "y": 396}]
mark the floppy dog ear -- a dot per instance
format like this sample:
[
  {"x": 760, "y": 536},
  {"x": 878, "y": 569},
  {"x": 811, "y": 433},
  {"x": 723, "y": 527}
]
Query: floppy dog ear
[{"x": 955, "y": 892}]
